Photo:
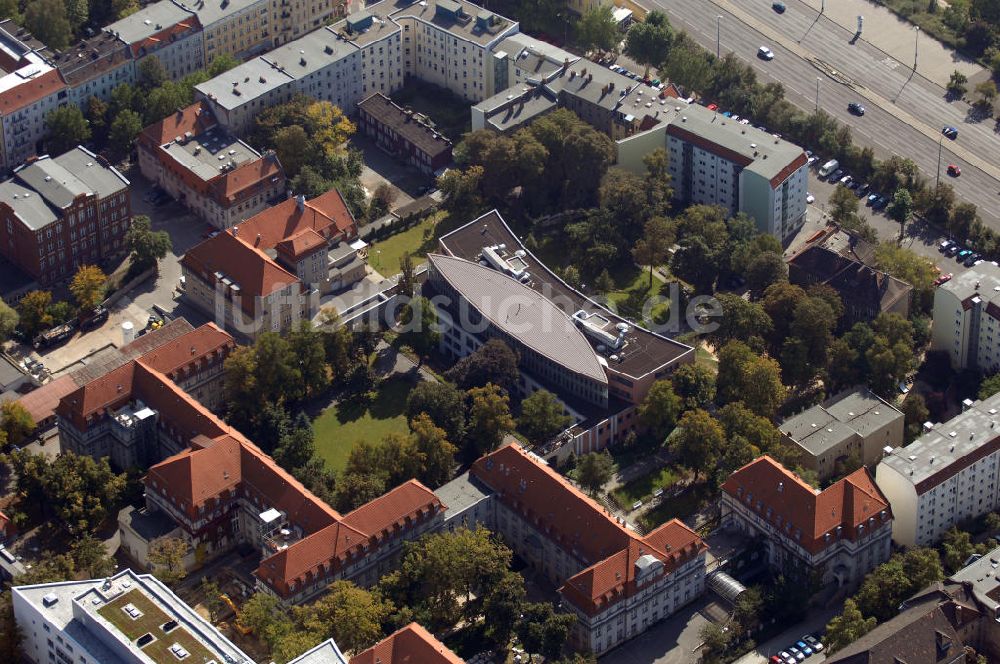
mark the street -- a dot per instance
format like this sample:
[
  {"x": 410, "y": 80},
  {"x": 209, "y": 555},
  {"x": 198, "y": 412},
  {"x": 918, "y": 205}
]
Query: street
[{"x": 905, "y": 112}]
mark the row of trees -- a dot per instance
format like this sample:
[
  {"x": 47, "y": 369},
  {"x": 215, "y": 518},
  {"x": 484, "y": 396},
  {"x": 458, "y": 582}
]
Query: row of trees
[{"x": 479, "y": 590}]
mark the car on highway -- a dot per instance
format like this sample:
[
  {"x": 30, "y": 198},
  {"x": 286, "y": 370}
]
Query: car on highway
[
  {"x": 778, "y": 7},
  {"x": 810, "y": 199},
  {"x": 856, "y": 108},
  {"x": 950, "y": 132},
  {"x": 813, "y": 642},
  {"x": 944, "y": 278},
  {"x": 954, "y": 170},
  {"x": 765, "y": 53}
]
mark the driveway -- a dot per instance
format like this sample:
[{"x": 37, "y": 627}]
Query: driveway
[
  {"x": 380, "y": 168},
  {"x": 673, "y": 641}
]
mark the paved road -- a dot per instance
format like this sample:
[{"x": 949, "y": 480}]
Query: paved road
[{"x": 905, "y": 113}]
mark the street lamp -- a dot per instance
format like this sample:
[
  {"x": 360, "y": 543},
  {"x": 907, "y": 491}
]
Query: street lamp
[
  {"x": 937, "y": 179},
  {"x": 916, "y": 42},
  {"x": 818, "y": 79},
  {"x": 718, "y": 36},
  {"x": 822, "y": 6}
]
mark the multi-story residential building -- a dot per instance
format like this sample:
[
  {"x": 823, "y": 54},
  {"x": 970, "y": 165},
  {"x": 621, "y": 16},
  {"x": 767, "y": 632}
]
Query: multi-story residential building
[
  {"x": 450, "y": 42},
  {"x": 600, "y": 365},
  {"x": 412, "y": 643},
  {"x": 164, "y": 30},
  {"x": 405, "y": 135},
  {"x": 341, "y": 64},
  {"x": 616, "y": 582},
  {"x": 855, "y": 424},
  {"x": 109, "y": 415},
  {"x": 842, "y": 532},
  {"x": 945, "y": 477},
  {"x": 241, "y": 28},
  {"x": 845, "y": 262},
  {"x": 94, "y": 67},
  {"x": 59, "y": 213},
  {"x": 267, "y": 272},
  {"x": 218, "y": 177},
  {"x": 966, "y": 322},
  {"x": 127, "y": 617},
  {"x": 29, "y": 88}
]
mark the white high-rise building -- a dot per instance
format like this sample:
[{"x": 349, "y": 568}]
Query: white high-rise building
[{"x": 967, "y": 319}]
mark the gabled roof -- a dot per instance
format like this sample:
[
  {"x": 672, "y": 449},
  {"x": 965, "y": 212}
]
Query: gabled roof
[
  {"x": 327, "y": 215},
  {"x": 811, "y": 518},
  {"x": 31, "y": 91},
  {"x": 196, "y": 118},
  {"x": 234, "y": 184},
  {"x": 411, "y": 645}
]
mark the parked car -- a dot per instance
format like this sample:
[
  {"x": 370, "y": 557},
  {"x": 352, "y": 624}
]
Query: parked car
[
  {"x": 96, "y": 318},
  {"x": 786, "y": 658},
  {"x": 712, "y": 107},
  {"x": 804, "y": 647},
  {"x": 796, "y": 653},
  {"x": 863, "y": 190},
  {"x": 943, "y": 247},
  {"x": 943, "y": 279},
  {"x": 846, "y": 181},
  {"x": 963, "y": 254},
  {"x": 952, "y": 250},
  {"x": 971, "y": 260},
  {"x": 778, "y": 7},
  {"x": 775, "y": 660},
  {"x": 853, "y": 184},
  {"x": 810, "y": 199},
  {"x": 950, "y": 132},
  {"x": 954, "y": 170},
  {"x": 856, "y": 108},
  {"x": 812, "y": 160},
  {"x": 872, "y": 198},
  {"x": 813, "y": 642},
  {"x": 882, "y": 203},
  {"x": 765, "y": 53},
  {"x": 836, "y": 175}
]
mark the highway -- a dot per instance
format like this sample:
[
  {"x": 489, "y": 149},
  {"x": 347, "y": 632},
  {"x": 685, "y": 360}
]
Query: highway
[{"x": 905, "y": 112}]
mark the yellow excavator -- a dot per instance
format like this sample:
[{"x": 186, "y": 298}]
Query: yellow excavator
[{"x": 236, "y": 612}]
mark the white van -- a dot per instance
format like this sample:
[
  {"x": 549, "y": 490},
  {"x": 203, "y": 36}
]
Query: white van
[{"x": 828, "y": 167}]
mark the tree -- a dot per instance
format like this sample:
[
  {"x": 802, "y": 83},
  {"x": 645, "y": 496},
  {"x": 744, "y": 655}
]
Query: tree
[
  {"x": 745, "y": 376},
  {"x": 443, "y": 403},
  {"x": 843, "y": 205},
  {"x": 16, "y": 422},
  {"x": 405, "y": 285},
  {"x": 780, "y": 301},
  {"x": 660, "y": 409},
  {"x": 847, "y": 628},
  {"x": 67, "y": 128},
  {"x": 146, "y": 245},
  {"x": 48, "y": 21},
  {"x": 352, "y": 616},
  {"x": 462, "y": 191},
  {"x": 213, "y": 602},
  {"x": 124, "y": 128},
  {"x": 328, "y": 126},
  {"x": 911, "y": 268},
  {"x": 8, "y": 321},
  {"x": 436, "y": 453},
  {"x": 167, "y": 557},
  {"x": 957, "y": 84},
  {"x": 739, "y": 422},
  {"x": 989, "y": 386},
  {"x": 542, "y": 416},
  {"x": 305, "y": 344},
  {"x": 649, "y": 41},
  {"x": 293, "y": 147},
  {"x": 493, "y": 362},
  {"x": 696, "y": 441},
  {"x": 152, "y": 73},
  {"x": 766, "y": 269},
  {"x": 695, "y": 385},
  {"x": 987, "y": 93},
  {"x": 220, "y": 64},
  {"x": 885, "y": 587},
  {"x": 957, "y": 547},
  {"x": 91, "y": 556},
  {"x": 813, "y": 321},
  {"x": 87, "y": 287},
  {"x": 10, "y": 633},
  {"x": 489, "y": 418},
  {"x": 543, "y": 630},
  {"x": 502, "y": 609},
  {"x": 740, "y": 319},
  {"x": 297, "y": 446},
  {"x": 653, "y": 247},
  {"x": 420, "y": 326},
  {"x": 594, "y": 470},
  {"x": 597, "y": 29},
  {"x": 901, "y": 208},
  {"x": 716, "y": 640}
]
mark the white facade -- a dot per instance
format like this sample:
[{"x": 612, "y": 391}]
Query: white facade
[
  {"x": 65, "y": 622},
  {"x": 779, "y": 209},
  {"x": 948, "y": 475},
  {"x": 967, "y": 319}
]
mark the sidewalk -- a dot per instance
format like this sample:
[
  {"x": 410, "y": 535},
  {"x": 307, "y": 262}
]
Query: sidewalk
[{"x": 816, "y": 622}]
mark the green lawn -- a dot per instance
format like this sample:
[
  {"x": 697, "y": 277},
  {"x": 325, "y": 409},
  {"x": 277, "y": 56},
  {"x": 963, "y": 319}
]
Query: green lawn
[
  {"x": 642, "y": 487},
  {"x": 677, "y": 507},
  {"x": 340, "y": 426},
  {"x": 703, "y": 357},
  {"x": 384, "y": 255}
]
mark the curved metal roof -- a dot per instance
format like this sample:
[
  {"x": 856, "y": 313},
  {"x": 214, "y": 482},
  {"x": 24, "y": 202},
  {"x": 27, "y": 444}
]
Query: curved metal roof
[{"x": 522, "y": 313}]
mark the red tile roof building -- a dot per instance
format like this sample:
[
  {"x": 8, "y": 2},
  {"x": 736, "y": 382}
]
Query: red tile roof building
[
  {"x": 411, "y": 645},
  {"x": 265, "y": 273},
  {"x": 616, "y": 581},
  {"x": 843, "y": 531},
  {"x": 218, "y": 177}
]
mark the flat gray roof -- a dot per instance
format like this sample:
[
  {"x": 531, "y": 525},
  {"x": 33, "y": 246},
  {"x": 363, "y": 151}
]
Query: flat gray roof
[
  {"x": 827, "y": 425},
  {"x": 984, "y": 576},
  {"x": 982, "y": 280},
  {"x": 213, "y": 11},
  {"x": 604, "y": 88},
  {"x": 250, "y": 80},
  {"x": 462, "y": 493},
  {"x": 534, "y": 55},
  {"x": 325, "y": 653},
  {"x": 947, "y": 446},
  {"x": 149, "y": 20},
  {"x": 523, "y": 313},
  {"x": 29, "y": 207},
  {"x": 441, "y": 13},
  {"x": 772, "y": 154},
  {"x": 10, "y": 373},
  {"x": 205, "y": 154},
  {"x": 380, "y": 28}
]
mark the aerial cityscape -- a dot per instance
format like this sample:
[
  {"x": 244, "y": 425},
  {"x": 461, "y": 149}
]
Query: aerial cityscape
[{"x": 499, "y": 331}]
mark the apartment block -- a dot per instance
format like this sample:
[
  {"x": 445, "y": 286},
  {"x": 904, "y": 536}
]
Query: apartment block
[
  {"x": 945, "y": 477},
  {"x": 164, "y": 30},
  {"x": 59, "y": 213},
  {"x": 599, "y": 365},
  {"x": 842, "y": 532},
  {"x": 94, "y": 67},
  {"x": 30, "y": 87},
  {"x": 405, "y": 135},
  {"x": 266, "y": 273},
  {"x": 856, "y": 423},
  {"x": 966, "y": 322},
  {"x": 218, "y": 177},
  {"x": 617, "y": 583},
  {"x": 129, "y": 617},
  {"x": 240, "y": 28}
]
